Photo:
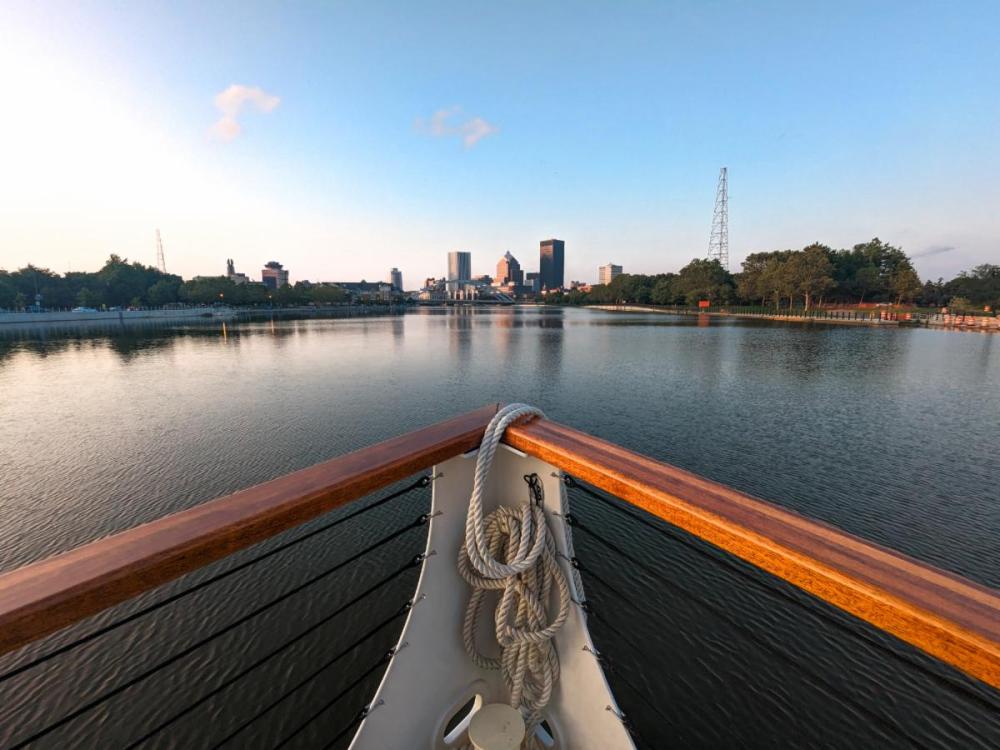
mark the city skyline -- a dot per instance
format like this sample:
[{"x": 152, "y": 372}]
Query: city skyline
[{"x": 271, "y": 135}]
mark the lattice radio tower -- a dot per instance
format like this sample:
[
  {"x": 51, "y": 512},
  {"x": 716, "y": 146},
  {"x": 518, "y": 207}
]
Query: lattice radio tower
[
  {"x": 718, "y": 243},
  {"x": 161, "y": 262}
]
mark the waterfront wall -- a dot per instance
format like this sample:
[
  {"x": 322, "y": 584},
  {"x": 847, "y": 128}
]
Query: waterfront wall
[
  {"x": 878, "y": 317},
  {"x": 111, "y": 318},
  {"x": 841, "y": 317},
  {"x": 61, "y": 317}
]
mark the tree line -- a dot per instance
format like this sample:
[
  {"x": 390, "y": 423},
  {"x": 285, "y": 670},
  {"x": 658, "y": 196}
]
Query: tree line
[
  {"x": 873, "y": 271},
  {"x": 122, "y": 284}
]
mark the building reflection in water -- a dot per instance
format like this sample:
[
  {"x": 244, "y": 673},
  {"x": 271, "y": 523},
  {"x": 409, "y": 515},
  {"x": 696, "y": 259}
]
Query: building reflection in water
[{"x": 459, "y": 323}]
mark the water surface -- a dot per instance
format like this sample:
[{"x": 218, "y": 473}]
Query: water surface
[{"x": 889, "y": 434}]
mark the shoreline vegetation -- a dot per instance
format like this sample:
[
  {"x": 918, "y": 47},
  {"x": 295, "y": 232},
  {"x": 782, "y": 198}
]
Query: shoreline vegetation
[
  {"x": 123, "y": 285},
  {"x": 816, "y": 277},
  {"x": 874, "y": 316},
  {"x": 194, "y": 315}
]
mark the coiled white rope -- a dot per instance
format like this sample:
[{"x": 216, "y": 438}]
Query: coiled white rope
[{"x": 512, "y": 551}]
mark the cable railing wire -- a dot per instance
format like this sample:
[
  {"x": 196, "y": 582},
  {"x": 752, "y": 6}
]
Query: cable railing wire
[
  {"x": 620, "y": 677},
  {"x": 309, "y": 678},
  {"x": 423, "y": 481},
  {"x": 421, "y": 520},
  {"x": 383, "y": 660},
  {"x": 817, "y": 678},
  {"x": 401, "y": 612},
  {"x": 361, "y": 715},
  {"x": 966, "y": 691}
]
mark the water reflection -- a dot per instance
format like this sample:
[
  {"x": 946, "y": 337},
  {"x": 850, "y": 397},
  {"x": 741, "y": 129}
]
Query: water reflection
[
  {"x": 551, "y": 340},
  {"x": 889, "y": 434}
]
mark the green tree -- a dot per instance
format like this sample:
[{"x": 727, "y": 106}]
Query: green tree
[
  {"x": 87, "y": 298},
  {"x": 750, "y": 285},
  {"x": 326, "y": 295},
  {"x": 981, "y": 285},
  {"x": 705, "y": 279},
  {"x": 208, "y": 290},
  {"x": 905, "y": 284},
  {"x": 960, "y": 305},
  {"x": 7, "y": 290},
  {"x": 809, "y": 273},
  {"x": 289, "y": 295},
  {"x": 865, "y": 282},
  {"x": 164, "y": 292},
  {"x": 665, "y": 290}
]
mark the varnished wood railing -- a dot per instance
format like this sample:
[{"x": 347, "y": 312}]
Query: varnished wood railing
[
  {"x": 49, "y": 595},
  {"x": 953, "y": 619},
  {"x": 945, "y": 615}
]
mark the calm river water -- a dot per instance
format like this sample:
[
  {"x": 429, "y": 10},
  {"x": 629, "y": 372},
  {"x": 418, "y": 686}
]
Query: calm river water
[{"x": 889, "y": 434}]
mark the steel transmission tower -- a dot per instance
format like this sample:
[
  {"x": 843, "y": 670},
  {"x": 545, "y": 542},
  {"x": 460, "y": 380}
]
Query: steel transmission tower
[
  {"x": 718, "y": 243},
  {"x": 161, "y": 262}
]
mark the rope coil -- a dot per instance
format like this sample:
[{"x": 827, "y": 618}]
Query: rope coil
[{"x": 512, "y": 551}]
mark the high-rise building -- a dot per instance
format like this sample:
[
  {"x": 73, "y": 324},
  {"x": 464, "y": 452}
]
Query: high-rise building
[
  {"x": 533, "y": 280},
  {"x": 551, "y": 263},
  {"x": 396, "y": 278},
  {"x": 459, "y": 271},
  {"x": 274, "y": 275},
  {"x": 606, "y": 274},
  {"x": 509, "y": 271}
]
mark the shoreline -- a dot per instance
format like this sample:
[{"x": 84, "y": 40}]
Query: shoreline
[
  {"x": 25, "y": 321},
  {"x": 937, "y": 321}
]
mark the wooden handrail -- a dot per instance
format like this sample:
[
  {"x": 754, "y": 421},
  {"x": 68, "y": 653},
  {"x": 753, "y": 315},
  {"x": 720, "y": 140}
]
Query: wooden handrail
[
  {"x": 46, "y": 596},
  {"x": 952, "y": 619}
]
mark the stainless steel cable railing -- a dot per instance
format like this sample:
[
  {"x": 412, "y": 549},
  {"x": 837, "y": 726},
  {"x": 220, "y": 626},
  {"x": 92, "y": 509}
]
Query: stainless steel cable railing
[{"x": 33, "y": 735}]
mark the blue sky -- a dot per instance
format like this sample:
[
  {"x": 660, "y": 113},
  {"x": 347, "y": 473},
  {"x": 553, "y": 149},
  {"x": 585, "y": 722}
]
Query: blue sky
[{"x": 360, "y": 136}]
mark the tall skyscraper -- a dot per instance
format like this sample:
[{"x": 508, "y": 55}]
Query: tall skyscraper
[
  {"x": 606, "y": 274},
  {"x": 459, "y": 271},
  {"x": 509, "y": 271},
  {"x": 274, "y": 275},
  {"x": 551, "y": 262},
  {"x": 396, "y": 278}
]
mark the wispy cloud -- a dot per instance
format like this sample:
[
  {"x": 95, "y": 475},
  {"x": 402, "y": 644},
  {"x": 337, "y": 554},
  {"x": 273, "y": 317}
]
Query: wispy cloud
[
  {"x": 451, "y": 123},
  {"x": 934, "y": 250},
  {"x": 230, "y": 103}
]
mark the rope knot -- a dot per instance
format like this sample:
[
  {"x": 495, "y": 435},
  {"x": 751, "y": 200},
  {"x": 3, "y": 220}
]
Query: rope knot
[{"x": 512, "y": 551}]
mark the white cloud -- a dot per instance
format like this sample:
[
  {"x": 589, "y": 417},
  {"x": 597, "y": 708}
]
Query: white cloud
[
  {"x": 448, "y": 123},
  {"x": 230, "y": 103}
]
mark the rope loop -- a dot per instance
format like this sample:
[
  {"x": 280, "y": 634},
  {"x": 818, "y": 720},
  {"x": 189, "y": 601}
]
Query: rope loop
[{"x": 512, "y": 551}]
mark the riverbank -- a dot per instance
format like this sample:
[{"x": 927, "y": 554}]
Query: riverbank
[
  {"x": 833, "y": 317},
  {"x": 13, "y": 321},
  {"x": 63, "y": 317}
]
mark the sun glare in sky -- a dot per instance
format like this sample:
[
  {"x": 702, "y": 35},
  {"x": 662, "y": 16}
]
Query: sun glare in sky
[{"x": 344, "y": 140}]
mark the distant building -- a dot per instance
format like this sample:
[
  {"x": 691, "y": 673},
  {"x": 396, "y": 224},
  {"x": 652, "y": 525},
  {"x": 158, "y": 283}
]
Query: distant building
[
  {"x": 606, "y": 274},
  {"x": 551, "y": 263},
  {"x": 509, "y": 271},
  {"x": 459, "y": 271},
  {"x": 274, "y": 275},
  {"x": 396, "y": 278},
  {"x": 233, "y": 276},
  {"x": 433, "y": 290},
  {"x": 533, "y": 281},
  {"x": 364, "y": 290}
]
